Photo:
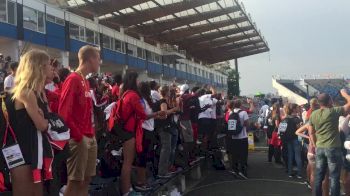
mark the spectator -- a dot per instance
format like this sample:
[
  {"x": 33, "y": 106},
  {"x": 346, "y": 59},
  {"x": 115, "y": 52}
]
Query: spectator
[
  {"x": 167, "y": 133},
  {"x": 291, "y": 141},
  {"x": 154, "y": 91},
  {"x": 130, "y": 110},
  {"x": 76, "y": 99},
  {"x": 325, "y": 136},
  {"x": 237, "y": 145},
  {"x": 274, "y": 142},
  {"x": 9, "y": 81},
  {"x": 148, "y": 141},
  {"x": 345, "y": 131},
  {"x": 29, "y": 122},
  {"x": 116, "y": 87}
]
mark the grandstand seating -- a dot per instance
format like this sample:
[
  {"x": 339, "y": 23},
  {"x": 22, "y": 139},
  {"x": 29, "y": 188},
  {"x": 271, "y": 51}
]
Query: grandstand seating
[
  {"x": 293, "y": 88},
  {"x": 329, "y": 86}
]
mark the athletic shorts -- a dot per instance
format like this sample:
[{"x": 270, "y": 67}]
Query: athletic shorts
[
  {"x": 205, "y": 126},
  {"x": 81, "y": 162}
]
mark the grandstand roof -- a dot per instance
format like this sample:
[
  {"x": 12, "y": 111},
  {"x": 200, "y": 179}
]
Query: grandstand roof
[{"x": 209, "y": 30}]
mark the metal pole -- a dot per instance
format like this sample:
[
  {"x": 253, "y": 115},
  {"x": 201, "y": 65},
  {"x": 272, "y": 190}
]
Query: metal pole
[
  {"x": 307, "y": 92},
  {"x": 237, "y": 75}
]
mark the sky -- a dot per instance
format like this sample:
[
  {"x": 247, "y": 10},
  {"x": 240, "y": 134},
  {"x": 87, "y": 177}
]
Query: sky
[{"x": 305, "y": 37}]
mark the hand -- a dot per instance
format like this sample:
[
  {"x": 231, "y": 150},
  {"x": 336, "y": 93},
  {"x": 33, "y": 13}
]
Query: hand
[
  {"x": 162, "y": 114},
  {"x": 344, "y": 93}
]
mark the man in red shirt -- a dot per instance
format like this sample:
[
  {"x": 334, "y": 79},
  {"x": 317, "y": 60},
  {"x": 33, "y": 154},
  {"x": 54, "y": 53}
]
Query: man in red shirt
[{"x": 76, "y": 109}]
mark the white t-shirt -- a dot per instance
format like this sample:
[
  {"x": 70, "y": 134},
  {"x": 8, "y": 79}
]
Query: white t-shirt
[
  {"x": 108, "y": 110},
  {"x": 243, "y": 116},
  {"x": 147, "y": 124},
  {"x": 210, "y": 112},
  {"x": 263, "y": 110},
  {"x": 155, "y": 96},
  {"x": 9, "y": 82}
]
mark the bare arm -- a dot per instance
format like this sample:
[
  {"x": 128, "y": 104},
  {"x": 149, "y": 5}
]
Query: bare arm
[
  {"x": 345, "y": 126},
  {"x": 35, "y": 113},
  {"x": 300, "y": 132},
  {"x": 347, "y": 98},
  {"x": 312, "y": 133}
]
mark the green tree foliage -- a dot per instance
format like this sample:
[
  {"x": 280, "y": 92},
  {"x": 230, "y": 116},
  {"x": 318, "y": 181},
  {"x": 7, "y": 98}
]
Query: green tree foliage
[{"x": 233, "y": 83}]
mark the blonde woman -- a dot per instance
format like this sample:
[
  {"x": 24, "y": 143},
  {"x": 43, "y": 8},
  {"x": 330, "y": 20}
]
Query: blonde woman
[{"x": 29, "y": 103}]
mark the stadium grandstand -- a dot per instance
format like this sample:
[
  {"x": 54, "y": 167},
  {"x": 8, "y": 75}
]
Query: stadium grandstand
[
  {"x": 299, "y": 91},
  {"x": 163, "y": 40}
]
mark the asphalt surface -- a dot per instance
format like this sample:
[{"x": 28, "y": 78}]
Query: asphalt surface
[{"x": 265, "y": 179}]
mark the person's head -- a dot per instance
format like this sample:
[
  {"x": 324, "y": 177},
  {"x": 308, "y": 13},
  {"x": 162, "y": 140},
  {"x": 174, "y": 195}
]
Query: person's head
[
  {"x": 208, "y": 92},
  {"x": 292, "y": 109},
  {"x": 201, "y": 92},
  {"x": 237, "y": 103},
  {"x": 184, "y": 89},
  {"x": 130, "y": 82},
  {"x": 144, "y": 89},
  {"x": 33, "y": 68},
  {"x": 267, "y": 102},
  {"x": 89, "y": 56},
  {"x": 230, "y": 105},
  {"x": 93, "y": 83},
  {"x": 63, "y": 73},
  {"x": 325, "y": 100},
  {"x": 13, "y": 67},
  {"x": 154, "y": 85},
  {"x": 164, "y": 91},
  {"x": 314, "y": 104},
  {"x": 275, "y": 110},
  {"x": 117, "y": 78},
  {"x": 195, "y": 89}
]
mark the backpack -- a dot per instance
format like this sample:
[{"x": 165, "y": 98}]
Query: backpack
[
  {"x": 115, "y": 123},
  {"x": 287, "y": 128},
  {"x": 234, "y": 125}
]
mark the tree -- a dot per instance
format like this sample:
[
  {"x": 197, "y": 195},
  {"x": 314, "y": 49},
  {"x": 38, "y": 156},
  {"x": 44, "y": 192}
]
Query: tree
[{"x": 233, "y": 83}]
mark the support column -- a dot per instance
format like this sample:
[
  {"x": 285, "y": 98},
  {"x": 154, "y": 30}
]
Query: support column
[
  {"x": 65, "y": 58},
  {"x": 237, "y": 74},
  {"x": 125, "y": 69},
  {"x": 122, "y": 30}
]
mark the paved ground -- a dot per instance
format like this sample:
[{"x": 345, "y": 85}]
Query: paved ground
[{"x": 264, "y": 179}]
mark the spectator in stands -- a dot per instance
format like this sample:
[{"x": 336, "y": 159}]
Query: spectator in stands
[
  {"x": 130, "y": 110},
  {"x": 325, "y": 136},
  {"x": 9, "y": 81},
  {"x": 291, "y": 141},
  {"x": 116, "y": 87},
  {"x": 76, "y": 99},
  {"x": 345, "y": 132},
  {"x": 53, "y": 85},
  {"x": 166, "y": 131},
  {"x": 205, "y": 122},
  {"x": 274, "y": 142},
  {"x": 237, "y": 145},
  {"x": 149, "y": 138},
  {"x": 29, "y": 122},
  {"x": 154, "y": 91}
]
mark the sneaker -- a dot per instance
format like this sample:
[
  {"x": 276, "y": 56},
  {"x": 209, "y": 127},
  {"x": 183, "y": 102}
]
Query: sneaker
[
  {"x": 290, "y": 176},
  {"x": 308, "y": 185},
  {"x": 198, "y": 142},
  {"x": 242, "y": 175},
  {"x": 142, "y": 188},
  {"x": 174, "y": 170},
  {"x": 299, "y": 177}
]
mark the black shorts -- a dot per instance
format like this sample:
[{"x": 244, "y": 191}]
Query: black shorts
[
  {"x": 124, "y": 135},
  {"x": 206, "y": 126}
]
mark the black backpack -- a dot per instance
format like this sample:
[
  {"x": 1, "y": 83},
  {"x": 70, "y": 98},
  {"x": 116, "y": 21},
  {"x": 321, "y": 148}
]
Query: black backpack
[
  {"x": 234, "y": 125},
  {"x": 287, "y": 128}
]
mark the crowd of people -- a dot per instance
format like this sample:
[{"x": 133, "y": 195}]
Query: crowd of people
[
  {"x": 314, "y": 135},
  {"x": 67, "y": 126},
  {"x": 60, "y": 128}
]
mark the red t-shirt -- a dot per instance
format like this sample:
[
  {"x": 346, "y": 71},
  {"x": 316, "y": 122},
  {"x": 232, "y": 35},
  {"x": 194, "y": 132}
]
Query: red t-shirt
[
  {"x": 75, "y": 107},
  {"x": 115, "y": 91}
]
